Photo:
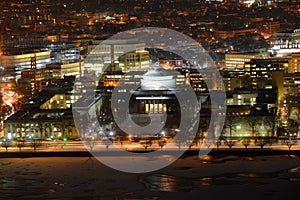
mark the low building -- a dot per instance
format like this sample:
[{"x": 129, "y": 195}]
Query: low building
[
  {"x": 237, "y": 60},
  {"x": 47, "y": 116}
]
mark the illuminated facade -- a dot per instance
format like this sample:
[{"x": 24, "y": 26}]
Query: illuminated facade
[
  {"x": 235, "y": 78},
  {"x": 137, "y": 60},
  {"x": 59, "y": 70},
  {"x": 285, "y": 43},
  {"x": 156, "y": 96},
  {"x": 289, "y": 112},
  {"x": 109, "y": 80},
  {"x": 295, "y": 64},
  {"x": 251, "y": 113},
  {"x": 291, "y": 84},
  {"x": 47, "y": 116},
  {"x": 127, "y": 55},
  {"x": 260, "y": 71},
  {"x": 33, "y": 80},
  {"x": 59, "y": 101},
  {"x": 237, "y": 60},
  {"x": 43, "y": 125},
  {"x": 197, "y": 81},
  {"x": 14, "y": 64}
]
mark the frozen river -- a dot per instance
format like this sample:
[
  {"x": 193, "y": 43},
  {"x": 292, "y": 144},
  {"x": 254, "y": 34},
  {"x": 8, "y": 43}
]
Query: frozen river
[{"x": 226, "y": 177}]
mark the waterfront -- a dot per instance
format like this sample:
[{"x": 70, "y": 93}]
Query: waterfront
[{"x": 226, "y": 176}]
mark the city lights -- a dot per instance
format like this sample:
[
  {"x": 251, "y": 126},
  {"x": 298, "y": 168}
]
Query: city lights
[{"x": 67, "y": 69}]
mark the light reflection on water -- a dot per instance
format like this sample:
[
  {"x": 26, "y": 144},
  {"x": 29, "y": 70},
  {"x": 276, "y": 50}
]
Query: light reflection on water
[
  {"x": 295, "y": 170},
  {"x": 168, "y": 183}
]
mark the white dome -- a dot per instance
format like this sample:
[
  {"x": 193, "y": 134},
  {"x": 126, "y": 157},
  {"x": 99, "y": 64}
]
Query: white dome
[
  {"x": 159, "y": 72},
  {"x": 158, "y": 79}
]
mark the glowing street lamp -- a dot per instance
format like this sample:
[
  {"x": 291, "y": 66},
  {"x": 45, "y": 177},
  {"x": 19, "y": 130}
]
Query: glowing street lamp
[{"x": 111, "y": 133}]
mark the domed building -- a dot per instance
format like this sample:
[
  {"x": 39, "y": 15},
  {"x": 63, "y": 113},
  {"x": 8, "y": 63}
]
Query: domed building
[{"x": 156, "y": 96}]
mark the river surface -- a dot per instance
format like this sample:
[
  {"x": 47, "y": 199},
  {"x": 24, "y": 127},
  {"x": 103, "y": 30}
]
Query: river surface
[{"x": 228, "y": 177}]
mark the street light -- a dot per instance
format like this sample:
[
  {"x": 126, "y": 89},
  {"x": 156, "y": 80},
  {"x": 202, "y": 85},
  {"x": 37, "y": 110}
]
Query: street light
[{"x": 111, "y": 133}]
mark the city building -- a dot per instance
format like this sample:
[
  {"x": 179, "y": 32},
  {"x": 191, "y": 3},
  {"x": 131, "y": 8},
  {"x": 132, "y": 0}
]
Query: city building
[
  {"x": 156, "y": 96},
  {"x": 285, "y": 43},
  {"x": 33, "y": 80},
  {"x": 235, "y": 78},
  {"x": 291, "y": 84},
  {"x": 59, "y": 70},
  {"x": 127, "y": 55},
  {"x": 295, "y": 64},
  {"x": 267, "y": 28},
  {"x": 260, "y": 71},
  {"x": 229, "y": 33},
  {"x": 238, "y": 60},
  {"x": 14, "y": 64},
  {"x": 289, "y": 106},
  {"x": 251, "y": 113},
  {"x": 48, "y": 116}
]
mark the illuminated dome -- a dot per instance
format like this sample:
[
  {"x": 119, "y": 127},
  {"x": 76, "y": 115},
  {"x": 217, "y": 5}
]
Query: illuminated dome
[{"x": 158, "y": 79}]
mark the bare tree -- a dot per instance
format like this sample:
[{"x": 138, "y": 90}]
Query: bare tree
[
  {"x": 179, "y": 142},
  {"x": 120, "y": 140},
  {"x": 20, "y": 144},
  {"x": 291, "y": 142},
  {"x": 35, "y": 143},
  {"x": 208, "y": 141},
  {"x": 90, "y": 142},
  {"x": 230, "y": 123},
  {"x": 162, "y": 143},
  {"x": 5, "y": 144},
  {"x": 261, "y": 142},
  {"x": 270, "y": 121},
  {"x": 107, "y": 143},
  {"x": 218, "y": 143},
  {"x": 146, "y": 143},
  {"x": 230, "y": 143},
  {"x": 246, "y": 142},
  {"x": 252, "y": 123}
]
